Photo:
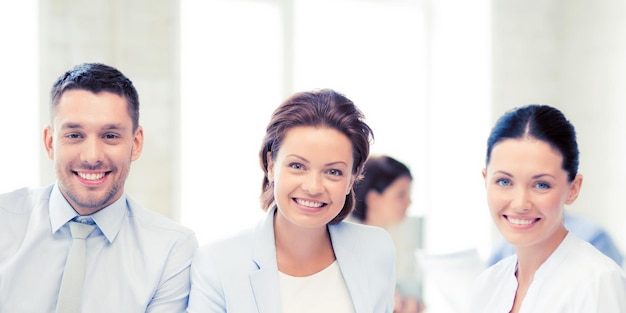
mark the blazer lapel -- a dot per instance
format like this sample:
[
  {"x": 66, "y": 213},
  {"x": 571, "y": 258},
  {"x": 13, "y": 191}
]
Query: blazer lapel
[
  {"x": 264, "y": 280},
  {"x": 352, "y": 267}
]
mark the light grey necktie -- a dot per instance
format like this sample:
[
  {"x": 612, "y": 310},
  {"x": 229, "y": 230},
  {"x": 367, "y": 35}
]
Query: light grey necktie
[{"x": 70, "y": 294}]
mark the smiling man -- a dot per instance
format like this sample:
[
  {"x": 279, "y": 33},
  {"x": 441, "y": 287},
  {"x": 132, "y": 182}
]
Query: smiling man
[{"x": 133, "y": 260}]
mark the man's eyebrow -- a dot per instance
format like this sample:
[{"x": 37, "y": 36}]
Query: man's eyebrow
[{"x": 112, "y": 126}]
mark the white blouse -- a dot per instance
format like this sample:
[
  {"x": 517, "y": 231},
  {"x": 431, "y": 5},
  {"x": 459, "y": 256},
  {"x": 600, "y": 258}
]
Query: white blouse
[
  {"x": 576, "y": 278},
  {"x": 325, "y": 291}
]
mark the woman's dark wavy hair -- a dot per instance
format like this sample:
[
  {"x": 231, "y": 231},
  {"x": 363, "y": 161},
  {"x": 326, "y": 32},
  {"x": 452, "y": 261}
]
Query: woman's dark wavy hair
[
  {"x": 544, "y": 123},
  {"x": 318, "y": 108},
  {"x": 378, "y": 173},
  {"x": 97, "y": 77}
]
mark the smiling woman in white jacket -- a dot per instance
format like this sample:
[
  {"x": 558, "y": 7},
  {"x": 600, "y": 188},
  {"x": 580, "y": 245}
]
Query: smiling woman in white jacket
[{"x": 303, "y": 257}]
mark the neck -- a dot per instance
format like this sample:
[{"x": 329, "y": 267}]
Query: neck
[
  {"x": 301, "y": 251},
  {"x": 530, "y": 258}
]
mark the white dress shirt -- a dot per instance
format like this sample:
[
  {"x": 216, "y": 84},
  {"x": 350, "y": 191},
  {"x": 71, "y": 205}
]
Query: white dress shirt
[
  {"x": 576, "y": 278},
  {"x": 136, "y": 260}
]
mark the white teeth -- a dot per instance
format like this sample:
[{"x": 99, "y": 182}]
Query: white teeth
[
  {"x": 91, "y": 176},
  {"x": 520, "y": 221},
  {"x": 309, "y": 203}
]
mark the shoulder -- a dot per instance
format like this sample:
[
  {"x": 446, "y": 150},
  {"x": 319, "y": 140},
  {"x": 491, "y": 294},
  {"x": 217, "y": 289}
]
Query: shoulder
[
  {"x": 580, "y": 264},
  {"x": 362, "y": 237},
  {"x": 492, "y": 289},
  {"x": 497, "y": 278},
  {"x": 252, "y": 245},
  {"x": 496, "y": 272},
  {"x": 590, "y": 257},
  {"x": 227, "y": 260},
  {"x": 593, "y": 274},
  {"x": 23, "y": 200},
  {"x": 351, "y": 229},
  {"x": 155, "y": 222},
  {"x": 226, "y": 252},
  {"x": 157, "y": 233},
  {"x": 241, "y": 240}
]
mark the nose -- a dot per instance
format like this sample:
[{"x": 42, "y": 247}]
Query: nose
[
  {"x": 92, "y": 151},
  {"x": 313, "y": 184},
  {"x": 521, "y": 200}
]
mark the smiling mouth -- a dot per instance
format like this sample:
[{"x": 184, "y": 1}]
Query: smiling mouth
[
  {"x": 91, "y": 176},
  {"x": 520, "y": 221},
  {"x": 310, "y": 204}
]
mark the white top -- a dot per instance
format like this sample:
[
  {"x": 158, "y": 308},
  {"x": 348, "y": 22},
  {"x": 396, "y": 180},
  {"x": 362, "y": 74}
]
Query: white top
[
  {"x": 324, "y": 291},
  {"x": 575, "y": 278}
]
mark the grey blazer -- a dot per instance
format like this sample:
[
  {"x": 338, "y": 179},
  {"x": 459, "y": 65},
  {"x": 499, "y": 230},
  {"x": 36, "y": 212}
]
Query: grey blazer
[{"x": 240, "y": 274}]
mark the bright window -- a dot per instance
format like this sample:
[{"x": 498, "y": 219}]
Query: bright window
[
  {"x": 240, "y": 59},
  {"x": 19, "y": 87},
  {"x": 420, "y": 75}
]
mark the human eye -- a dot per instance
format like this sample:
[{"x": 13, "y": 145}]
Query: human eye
[
  {"x": 73, "y": 136},
  {"x": 542, "y": 185},
  {"x": 110, "y": 136},
  {"x": 504, "y": 182},
  {"x": 296, "y": 166},
  {"x": 335, "y": 172}
]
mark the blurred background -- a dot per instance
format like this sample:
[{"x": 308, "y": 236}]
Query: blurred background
[{"x": 431, "y": 77}]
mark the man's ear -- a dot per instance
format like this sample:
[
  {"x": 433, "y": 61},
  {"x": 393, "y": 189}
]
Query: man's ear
[
  {"x": 48, "y": 141},
  {"x": 137, "y": 144}
]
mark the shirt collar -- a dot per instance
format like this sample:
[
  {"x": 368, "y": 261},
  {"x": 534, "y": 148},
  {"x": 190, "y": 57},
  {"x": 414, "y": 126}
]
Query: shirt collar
[
  {"x": 553, "y": 262},
  {"x": 109, "y": 219}
]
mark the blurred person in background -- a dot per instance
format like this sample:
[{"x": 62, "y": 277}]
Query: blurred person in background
[{"x": 383, "y": 197}]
